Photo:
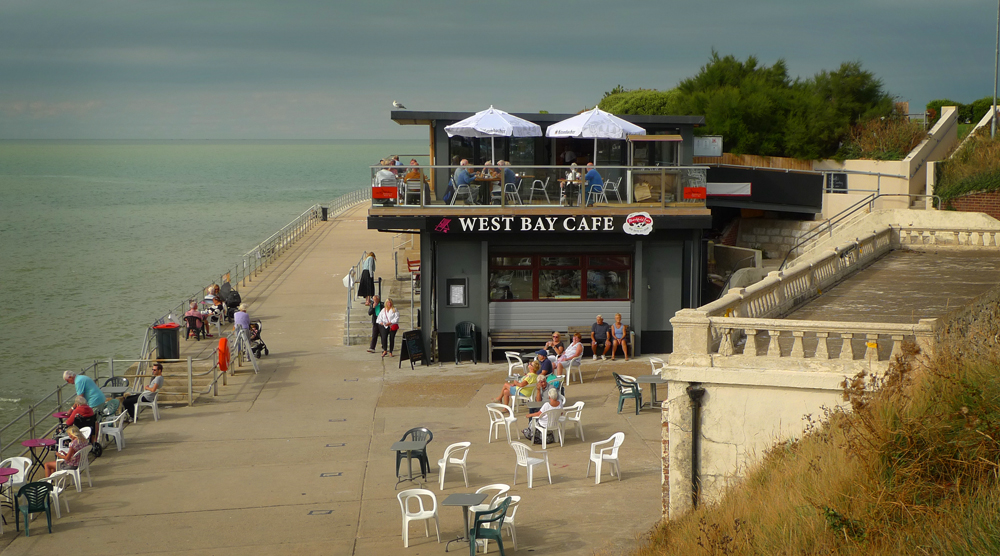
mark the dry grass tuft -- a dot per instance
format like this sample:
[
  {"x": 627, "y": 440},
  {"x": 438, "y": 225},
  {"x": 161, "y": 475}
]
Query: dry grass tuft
[{"x": 912, "y": 468}]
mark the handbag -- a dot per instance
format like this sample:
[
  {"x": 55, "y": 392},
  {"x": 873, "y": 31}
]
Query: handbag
[{"x": 394, "y": 327}]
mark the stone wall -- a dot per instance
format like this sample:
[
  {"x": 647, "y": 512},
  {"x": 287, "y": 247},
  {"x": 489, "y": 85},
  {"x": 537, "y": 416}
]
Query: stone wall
[
  {"x": 988, "y": 203},
  {"x": 774, "y": 237}
]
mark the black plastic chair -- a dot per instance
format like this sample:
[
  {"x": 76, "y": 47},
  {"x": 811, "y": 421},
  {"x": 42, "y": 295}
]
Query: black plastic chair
[
  {"x": 194, "y": 324},
  {"x": 627, "y": 389},
  {"x": 116, "y": 381},
  {"x": 419, "y": 433},
  {"x": 465, "y": 340},
  {"x": 37, "y": 496},
  {"x": 482, "y": 526}
]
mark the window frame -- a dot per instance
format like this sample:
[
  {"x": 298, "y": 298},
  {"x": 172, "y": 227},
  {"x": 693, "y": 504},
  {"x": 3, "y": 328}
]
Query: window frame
[{"x": 584, "y": 267}]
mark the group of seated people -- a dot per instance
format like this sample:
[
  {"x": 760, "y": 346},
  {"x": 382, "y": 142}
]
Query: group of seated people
[
  {"x": 544, "y": 371},
  {"x": 83, "y": 415},
  {"x": 203, "y": 318}
]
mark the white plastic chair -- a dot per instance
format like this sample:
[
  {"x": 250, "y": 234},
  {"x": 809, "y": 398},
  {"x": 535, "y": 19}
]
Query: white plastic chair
[
  {"x": 451, "y": 456},
  {"x": 508, "y": 522},
  {"x": 612, "y": 186},
  {"x": 555, "y": 416},
  {"x": 147, "y": 398},
  {"x": 422, "y": 513},
  {"x": 514, "y": 361},
  {"x": 113, "y": 428},
  {"x": 19, "y": 479},
  {"x": 58, "y": 482},
  {"x": 602, "y": 451},
  {"x": 84, "y": 465},
  {"x": 498, "y": 420},
  {"x": 573, "y": 414},
  {"x": 528, "y": 458},
  {"x": 576, "y": 362},
  {"x": 657, "y": 364},
  {"x": 539, "y": 185},
  {"x": 500, "y": 488},
  {"x": 596, "y": 194}
]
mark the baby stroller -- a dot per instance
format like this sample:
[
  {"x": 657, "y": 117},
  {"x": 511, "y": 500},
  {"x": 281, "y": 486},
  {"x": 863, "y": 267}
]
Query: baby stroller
[{"x": 257, "y": 345}]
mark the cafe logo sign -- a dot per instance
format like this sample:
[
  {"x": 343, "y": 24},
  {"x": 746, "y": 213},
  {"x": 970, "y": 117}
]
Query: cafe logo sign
[{"x": 638, "y": 224}]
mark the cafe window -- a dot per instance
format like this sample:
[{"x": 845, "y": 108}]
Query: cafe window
[{"x": 516, "y": 277}]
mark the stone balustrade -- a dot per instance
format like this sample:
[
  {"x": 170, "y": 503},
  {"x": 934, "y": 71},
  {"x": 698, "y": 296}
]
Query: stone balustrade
[
  {"x": 821, "y": 340},
  {"x": 782, "y": 291},
  {"x": 913, "y": 237}
]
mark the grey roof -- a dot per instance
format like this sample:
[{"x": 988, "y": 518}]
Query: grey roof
[{"x": 422, "y": 117}]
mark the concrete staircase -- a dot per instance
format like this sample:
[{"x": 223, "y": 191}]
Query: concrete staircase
[{"x": 358, "y": 326}]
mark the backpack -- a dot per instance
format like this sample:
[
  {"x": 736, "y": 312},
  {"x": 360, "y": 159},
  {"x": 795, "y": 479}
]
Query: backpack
[{"x": 234, "y": 299}]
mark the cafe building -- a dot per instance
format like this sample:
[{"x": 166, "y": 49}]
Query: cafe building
[{"x": 539, "y": 265}]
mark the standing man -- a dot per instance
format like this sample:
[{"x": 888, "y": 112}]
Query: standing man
[
  {"x": 155, "y": 384},
  {"x": 85, "y": 387},
  {"x": 599, "y": 337},
  {"x": 374, "y": 310}
]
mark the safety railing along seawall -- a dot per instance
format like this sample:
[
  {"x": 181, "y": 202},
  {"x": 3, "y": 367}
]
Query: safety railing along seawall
[{"x": 37, "y": 420}]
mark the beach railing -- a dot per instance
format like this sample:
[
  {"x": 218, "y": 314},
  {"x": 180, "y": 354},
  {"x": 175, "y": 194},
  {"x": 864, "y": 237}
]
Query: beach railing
[{"x": 37, "y": 420}]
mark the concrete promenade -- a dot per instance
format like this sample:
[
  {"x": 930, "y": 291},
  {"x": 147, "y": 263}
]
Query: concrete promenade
[{"x": 296, "y": 460}]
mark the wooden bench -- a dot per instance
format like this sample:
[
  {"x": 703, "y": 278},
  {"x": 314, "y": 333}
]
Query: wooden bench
[
  {"x": 533, "y": 340},
  {"x": 516, "y": 340}
]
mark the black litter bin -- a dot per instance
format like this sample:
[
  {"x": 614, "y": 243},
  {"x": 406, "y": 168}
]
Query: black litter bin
[
  {"x": 325, "y": 211},
  {"x": 168, "y": 345}
]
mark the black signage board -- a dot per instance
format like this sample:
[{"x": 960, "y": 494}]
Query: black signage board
[
  {"x": 412, "y": 348},
  {"x": 637, "y": 223}
]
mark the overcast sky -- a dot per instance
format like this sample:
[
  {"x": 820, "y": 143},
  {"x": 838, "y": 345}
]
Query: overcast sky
[{"x": 329, "y": 69}]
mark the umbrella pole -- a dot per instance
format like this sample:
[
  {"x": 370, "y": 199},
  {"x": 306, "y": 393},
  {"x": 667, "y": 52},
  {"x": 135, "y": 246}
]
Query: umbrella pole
[{"x": 493, "y": 152}]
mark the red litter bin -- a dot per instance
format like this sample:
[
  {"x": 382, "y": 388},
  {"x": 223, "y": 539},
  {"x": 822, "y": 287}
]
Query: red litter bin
[{"x": 168, "y": 344}]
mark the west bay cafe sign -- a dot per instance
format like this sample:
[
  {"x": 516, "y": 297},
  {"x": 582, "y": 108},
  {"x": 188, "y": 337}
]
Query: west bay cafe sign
[{"x": 636, "y": 223}]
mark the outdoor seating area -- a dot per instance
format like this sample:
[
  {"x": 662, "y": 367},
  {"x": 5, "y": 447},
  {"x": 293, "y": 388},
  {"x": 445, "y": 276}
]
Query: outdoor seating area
[{"x": 535, "y": 452}]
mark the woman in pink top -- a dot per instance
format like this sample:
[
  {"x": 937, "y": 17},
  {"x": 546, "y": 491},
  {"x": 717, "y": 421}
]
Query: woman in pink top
[{"x": 71, "y": 457}]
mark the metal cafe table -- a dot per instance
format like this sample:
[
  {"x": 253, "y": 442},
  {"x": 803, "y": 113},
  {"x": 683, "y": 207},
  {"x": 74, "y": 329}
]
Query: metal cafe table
[
  {"x": 652, "y": 381},
  {"x": 466, "y": 501},
  {"x": 45, "y": 444},
  {"x": 114, "y": 391},
  {"x": 409, "y": 446}
]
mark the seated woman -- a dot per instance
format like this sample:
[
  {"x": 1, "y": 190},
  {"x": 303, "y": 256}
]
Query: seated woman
[
  {"x": 574, "y": 350},
  {"x": 546, "y": 380},
  {"x": 82, "y": 415},
  {"x": 526, "y": 387},
  {"x": 71, "y": 457},
  {"x": 619, "y": 332},
  {"x": 542, "y": 414}
]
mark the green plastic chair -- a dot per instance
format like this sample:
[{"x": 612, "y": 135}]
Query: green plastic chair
[
  {"x": 627, "y": 389},
  {"x": 483, "y": 528},
  {"x": 465, "y": 340},
  {"x": 37, "y": 495}
]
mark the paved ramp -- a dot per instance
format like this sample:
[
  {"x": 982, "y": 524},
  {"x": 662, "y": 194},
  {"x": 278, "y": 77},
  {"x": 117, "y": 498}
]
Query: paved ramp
[{"x": 906, "y": 286}]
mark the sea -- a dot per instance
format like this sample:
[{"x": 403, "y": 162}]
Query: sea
[{"x": 100, "y": 238}]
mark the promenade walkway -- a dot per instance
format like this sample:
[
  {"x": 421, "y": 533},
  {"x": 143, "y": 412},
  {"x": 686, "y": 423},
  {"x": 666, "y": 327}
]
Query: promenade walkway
[{"x": 296, "y": 459}]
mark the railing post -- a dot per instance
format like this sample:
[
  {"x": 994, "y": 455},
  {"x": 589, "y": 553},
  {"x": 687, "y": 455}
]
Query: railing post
[
  {"x": 31, "y": 422},
  {"x": 190, "y": 382},
  {"x": 111, "y": 366}
]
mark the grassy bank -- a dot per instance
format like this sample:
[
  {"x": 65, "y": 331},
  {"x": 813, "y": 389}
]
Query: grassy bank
[
  {"x": 973, "y": 169},
  {"x": 911, "y": 469}
]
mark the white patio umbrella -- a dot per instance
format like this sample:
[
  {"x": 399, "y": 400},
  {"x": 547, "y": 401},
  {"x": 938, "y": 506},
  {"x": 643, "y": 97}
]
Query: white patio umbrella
[
  {"x": 594, "y": 123},
  {"x": 493, "y": 123}
]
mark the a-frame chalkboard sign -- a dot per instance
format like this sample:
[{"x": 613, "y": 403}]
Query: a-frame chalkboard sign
[{"x": 412, "y": 348}]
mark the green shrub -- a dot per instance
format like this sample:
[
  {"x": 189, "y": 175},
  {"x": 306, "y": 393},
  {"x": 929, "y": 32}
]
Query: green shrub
[{"x": 882, "y": 138}]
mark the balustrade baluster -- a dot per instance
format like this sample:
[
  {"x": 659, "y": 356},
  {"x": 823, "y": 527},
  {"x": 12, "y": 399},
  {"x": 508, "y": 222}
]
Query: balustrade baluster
[
  {"x": 821, "y": 347},
  {"x": 773, "y": 347},
  {"x": 750, "y": 348},
  {"x": 726, "y": 347},
  {"x": 871, "y": 347},
  {"x": 798, "y": 350},
  {"x": 847, "y": 350},
  {"x": 897, "y": 347}
]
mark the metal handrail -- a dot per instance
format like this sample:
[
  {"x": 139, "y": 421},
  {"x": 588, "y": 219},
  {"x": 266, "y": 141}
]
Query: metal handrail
[
  {"x": 253, "y": 261},
  {"x": 868, "y": 201}
]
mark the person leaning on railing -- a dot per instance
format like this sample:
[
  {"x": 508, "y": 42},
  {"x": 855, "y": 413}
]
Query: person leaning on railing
[
  {"x": 85, "y": 387},
  {"x": 154, "y": 384}
]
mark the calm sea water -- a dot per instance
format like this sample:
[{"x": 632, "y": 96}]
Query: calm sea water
[{"x": 97, "y": 239}]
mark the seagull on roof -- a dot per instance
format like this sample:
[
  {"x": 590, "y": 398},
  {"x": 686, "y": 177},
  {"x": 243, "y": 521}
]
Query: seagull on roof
[{"x": 397, "y": 104}]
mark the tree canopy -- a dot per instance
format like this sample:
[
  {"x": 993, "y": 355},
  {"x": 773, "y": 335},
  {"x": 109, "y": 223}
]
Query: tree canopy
[{"x": 759, "y": 109}]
